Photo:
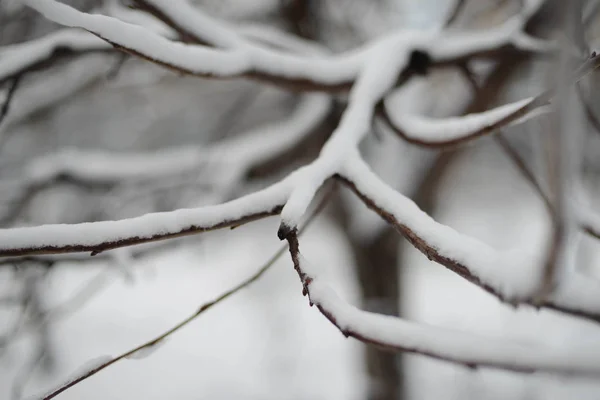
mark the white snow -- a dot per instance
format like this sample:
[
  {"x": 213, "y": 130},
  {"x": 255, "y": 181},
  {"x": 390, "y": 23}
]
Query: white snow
[
  {"x": 264, "y": 342},
  {"x": 514, "y": 273},
  {"x": 444, "y": 130},
  {"x": 14, "y": 58},
  {"x": 54, "y": 237},
  {"x": 449, "y": 343},
  {"x": 193, "y": 20},
  {"x": 199, "y": 59},
  {"x": 101, "y": 166},
  {"x": 236, "y": 154},
  {"x": 246, "y": 57}
]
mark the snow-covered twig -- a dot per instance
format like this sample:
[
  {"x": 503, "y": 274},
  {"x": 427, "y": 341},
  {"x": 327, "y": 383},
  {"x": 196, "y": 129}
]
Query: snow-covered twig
[
  {"x": 452, "y": 345},
  {"x": 97, "y": 237},
  {"x": 454, "y": 131},
  {"x": 512, "y": 275},
  {"x": 36, "y": 54}
]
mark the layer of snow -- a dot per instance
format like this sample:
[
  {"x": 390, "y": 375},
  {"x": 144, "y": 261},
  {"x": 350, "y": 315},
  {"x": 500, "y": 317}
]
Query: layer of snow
[
  {"x": 54, "y": 237},
  {"x": 514, "y": 273},
  {"x": 246, "y": 57},
  {"x": 451, "y": 344},
  {"x": 97, "y": 166},
  {"x": 14, "y": 58},
  {"x": 444, "y": 130},
  {"x": 194, "y": 21},
  {"x": 262, "y": 343},
  {"x": 200, "y": 59}
]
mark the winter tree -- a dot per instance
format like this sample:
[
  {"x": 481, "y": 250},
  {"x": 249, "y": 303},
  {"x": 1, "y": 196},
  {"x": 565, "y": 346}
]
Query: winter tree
[{"x": 129, "y": 130}]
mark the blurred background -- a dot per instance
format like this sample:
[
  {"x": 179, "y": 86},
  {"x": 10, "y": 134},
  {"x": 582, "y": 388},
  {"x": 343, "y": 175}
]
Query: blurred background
[{"x": 266, "y": 342}]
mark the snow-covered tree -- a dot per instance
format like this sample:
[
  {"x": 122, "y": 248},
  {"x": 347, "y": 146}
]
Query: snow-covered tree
[{"x": 128, "y": 130}]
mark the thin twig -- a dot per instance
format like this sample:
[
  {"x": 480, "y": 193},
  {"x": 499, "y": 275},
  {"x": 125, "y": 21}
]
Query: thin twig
[
  {"x": 516, "y": 158},
  {"x": 455, "y": 12},
  {"x": 12, "y": 89},
  {"x": 26, "y": 372},
  {"x": 81, "y": 297},
  {"x": 589, "y": 112},
  {"x": 245, "y": 283}
]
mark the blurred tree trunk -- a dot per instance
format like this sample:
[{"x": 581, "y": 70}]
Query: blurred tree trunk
[
  {"x": 377, "y": 272},
  {"x": 380, "y": 279}
]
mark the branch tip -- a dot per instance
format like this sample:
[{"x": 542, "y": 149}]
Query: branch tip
[{"x": 285, "y": 231}]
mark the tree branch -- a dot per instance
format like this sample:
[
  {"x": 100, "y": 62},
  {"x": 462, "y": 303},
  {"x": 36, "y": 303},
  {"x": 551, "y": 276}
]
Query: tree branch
[
  {"x": 512, "y": 276},
  {"x": 203, "y": 308},
  {"x": 396, "y": 334}
]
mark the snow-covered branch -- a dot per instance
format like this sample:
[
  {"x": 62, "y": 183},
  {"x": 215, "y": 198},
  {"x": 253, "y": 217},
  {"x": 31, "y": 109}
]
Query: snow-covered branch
[
  {"x": 511, "y": 275},
  {"x": 454, "y": 131},
  {"x": 97, "y": 237},
  {"x": 297, "y": 72},
  {"x": 223, "y": 165},
  {"x": 471, "y": 350},
  {"x": 369, "y": 74},
  {"x": 35, "y": 54}
]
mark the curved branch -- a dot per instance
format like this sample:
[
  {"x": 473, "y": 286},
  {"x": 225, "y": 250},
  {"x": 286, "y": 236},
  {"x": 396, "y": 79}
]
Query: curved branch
[
  {"x": 512, "y": 276},
  {"x": 470, "y": 350},
  {"x": 192, "y": 24},
  {"x": 38, "y": 54},
  {"x": 332, "y": 73},
  {"x": 456, "y": 131}
]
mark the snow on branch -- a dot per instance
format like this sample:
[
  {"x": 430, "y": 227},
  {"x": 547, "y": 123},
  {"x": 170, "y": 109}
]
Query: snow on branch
[
  {"x": 192, "y": 24},
  {"x": 512, "y": 275},
  {"x": 96, "y": 237},
  {"x": 305, "y": 73},
  {"x": 262, "y": 64},
  {"x": 223, "y": 166},
  {"x": 151, "y": 345},
  {"x": 371, "y": 73},
  {"x": 20, "y": 58},
  {"x": 454, "y": 131},
  {"x": 240, "y": 152},
  {"x": 34, "y": 54},
  {"x": 452, "y": 345}
]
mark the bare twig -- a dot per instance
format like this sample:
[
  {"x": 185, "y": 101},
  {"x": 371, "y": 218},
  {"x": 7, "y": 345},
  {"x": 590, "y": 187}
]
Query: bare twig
[
  {"x": 25, "y": 373},
  {"x": 455, "y": 12},
  {"x": 518, "y": 161},
  {"x": 589, "y": 111},
  {"x": 12, "y": 89},
  {"x": 205, "y": 307}
]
